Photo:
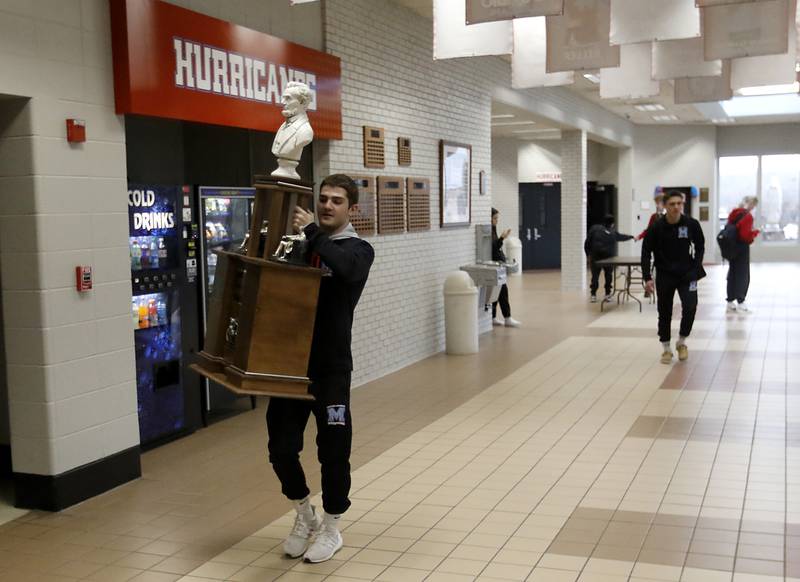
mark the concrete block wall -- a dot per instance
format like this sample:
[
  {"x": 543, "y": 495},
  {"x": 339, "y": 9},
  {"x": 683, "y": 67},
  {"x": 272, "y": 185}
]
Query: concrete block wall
[
  {"x": 573, "y": 209},
  {"x": 389, "y": 80}
]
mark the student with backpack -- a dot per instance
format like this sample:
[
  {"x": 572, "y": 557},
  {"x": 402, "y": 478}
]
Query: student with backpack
[
  {"x": 741, "y": 219},
  {"x": 601, "y": 243}
]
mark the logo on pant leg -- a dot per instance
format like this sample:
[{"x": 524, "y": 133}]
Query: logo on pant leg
[
  {"x": 693, "y": 286},
  {"x": 336, "y": 414}
]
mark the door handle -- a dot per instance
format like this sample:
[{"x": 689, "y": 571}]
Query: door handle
[
  {"x": 529, "y": 234},
  {"x": 536, "y": 235}
]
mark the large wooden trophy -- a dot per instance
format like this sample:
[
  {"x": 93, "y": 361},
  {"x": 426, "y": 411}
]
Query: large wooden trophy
[{"x": 264, "y": 300}]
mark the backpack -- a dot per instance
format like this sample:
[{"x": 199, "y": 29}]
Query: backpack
[{"x": 728, "y": 239}]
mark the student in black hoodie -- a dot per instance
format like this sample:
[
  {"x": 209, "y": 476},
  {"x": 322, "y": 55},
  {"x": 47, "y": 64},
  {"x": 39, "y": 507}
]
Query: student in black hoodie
[
  {"x": 677, "y": 244},
  {"x": 334, "y": 246},
  {"x": 601, "y": 243}
]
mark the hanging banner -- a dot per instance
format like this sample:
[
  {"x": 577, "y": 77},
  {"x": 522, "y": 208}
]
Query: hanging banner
[
  {"x": 703, "y": 3},
  {"x": 704, "y": 89},
  {"x": 635, "y": 21},
  {"x": 493, "y": 10},
  {"x": 681, "y": 59},
  {"x": 174, "y": 63},
  {"x": 767, "y": 70},
  {"x": 633, "y": 78},
  {"x": 452, "y": 38},
  {"x": 746, "y": 30},
  {"x": 578, "y": 39},
  {"x": 528, "y": 63}
]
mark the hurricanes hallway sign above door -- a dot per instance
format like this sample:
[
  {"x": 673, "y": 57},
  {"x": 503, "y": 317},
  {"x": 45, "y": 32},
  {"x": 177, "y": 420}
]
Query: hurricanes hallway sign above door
[{"x": 176, "y": 63}]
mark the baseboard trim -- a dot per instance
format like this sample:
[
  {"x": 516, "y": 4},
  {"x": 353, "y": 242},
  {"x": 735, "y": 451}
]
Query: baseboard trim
[{"x": 57, "y": 492}]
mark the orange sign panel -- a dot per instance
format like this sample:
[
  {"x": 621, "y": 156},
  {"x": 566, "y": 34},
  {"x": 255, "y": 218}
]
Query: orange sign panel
[{"x": 176, "y": 63}]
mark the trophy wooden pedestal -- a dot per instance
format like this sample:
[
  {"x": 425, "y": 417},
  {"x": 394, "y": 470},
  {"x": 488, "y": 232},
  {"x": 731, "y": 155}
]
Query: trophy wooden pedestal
[{"x": 261, "y": 311}]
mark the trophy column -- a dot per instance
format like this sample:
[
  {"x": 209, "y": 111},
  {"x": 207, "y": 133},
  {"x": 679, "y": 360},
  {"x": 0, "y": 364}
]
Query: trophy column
[{"x": 262, "y": 311}]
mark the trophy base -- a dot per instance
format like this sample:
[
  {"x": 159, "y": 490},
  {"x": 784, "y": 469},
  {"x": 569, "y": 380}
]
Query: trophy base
[{"x": 249, "y": 384}]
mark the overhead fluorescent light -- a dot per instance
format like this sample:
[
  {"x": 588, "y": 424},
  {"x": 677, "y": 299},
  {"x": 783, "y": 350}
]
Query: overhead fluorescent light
[
  {"x": 534, "y": 130},
  {"x": 665, "y": 118},
  {"x": 649, "y": 107},
  {"x": 503, "y": 116},
  {"x": 508, "y": 123},
  {"x": 592, "y": 77},
  {"x": 723, "y": 120},
  {"x": 769, "y": 90}
]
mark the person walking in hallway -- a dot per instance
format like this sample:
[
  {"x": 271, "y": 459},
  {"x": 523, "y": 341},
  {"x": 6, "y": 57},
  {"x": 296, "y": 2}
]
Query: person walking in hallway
[
  {"x": 739, "y": 267},
  {"x": 601, "y": 243},
  {"x": 345, "y": 260},
  {"x": 676, "y": 245},
  {"x": 499, "y": 255}
]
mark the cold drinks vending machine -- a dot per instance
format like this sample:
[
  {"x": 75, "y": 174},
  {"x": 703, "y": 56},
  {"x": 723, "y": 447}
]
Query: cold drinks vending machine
[
  {"x": 225, "y": 219},
  {"x": 163, "y": 308}
]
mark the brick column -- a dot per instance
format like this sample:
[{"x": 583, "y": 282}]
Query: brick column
[{"x": 573, "y": 210}]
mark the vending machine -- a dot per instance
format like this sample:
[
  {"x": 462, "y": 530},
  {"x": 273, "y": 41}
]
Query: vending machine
[
  {"x": 225, "y": 220},
  {"x": 163, "y": 310}
]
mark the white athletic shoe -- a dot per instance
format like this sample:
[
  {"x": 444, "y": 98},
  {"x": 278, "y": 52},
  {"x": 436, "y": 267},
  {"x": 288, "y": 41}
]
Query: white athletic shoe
[
  {"x": 731, "y": 308},
  {"x": 609, "y": 298},
  {"x": 511, "y": 322},
  {"x": 296, "y": 544},
  {"x": 327, "y": 542},
  {"x": 498, "y": 321},
  {"x": 744, "y": 307},
  {"x": 593, "y": 299}
]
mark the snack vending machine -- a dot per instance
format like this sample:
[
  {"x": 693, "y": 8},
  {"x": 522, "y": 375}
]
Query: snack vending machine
[
  {"x": 163, "y": 304},
  {"x": 225, "y": 218}
]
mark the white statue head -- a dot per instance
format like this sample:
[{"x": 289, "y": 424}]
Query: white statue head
[{"x": 296, "y": 98}]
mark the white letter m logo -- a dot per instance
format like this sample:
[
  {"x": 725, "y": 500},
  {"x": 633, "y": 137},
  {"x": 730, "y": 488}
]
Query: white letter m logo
[{"x": 336, "y": 414}]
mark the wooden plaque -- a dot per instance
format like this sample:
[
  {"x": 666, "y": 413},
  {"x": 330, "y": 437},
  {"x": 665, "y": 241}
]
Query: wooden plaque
[
  {"x": 363, "y": 219},
  {"x": 391, "y": 211},
  {"x": 418, "y": 204},
  {"x": 403, "y": 151},
  {"x": 374, "y": 148}
]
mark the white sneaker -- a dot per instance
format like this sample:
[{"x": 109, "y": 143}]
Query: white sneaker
[
  {"x": 731, "y": 308},
  {"x": 498, "y": 321},
  {"x": 296, "y": 544},
  {"x": 609, "y": 298},
  {"x": 511, "y": 322},
  {"x": 326, "y": 544},
  {"x": 593, "y": 299},
  {"x": 744, "y": 307}
]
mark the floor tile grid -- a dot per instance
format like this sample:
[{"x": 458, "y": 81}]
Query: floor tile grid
[{"x": 623, "y": 434}]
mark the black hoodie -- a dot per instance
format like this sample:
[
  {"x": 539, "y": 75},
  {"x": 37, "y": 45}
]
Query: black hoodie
[
  {"x": 678, "y": 249},
  {"x": 346, "y": 263}
]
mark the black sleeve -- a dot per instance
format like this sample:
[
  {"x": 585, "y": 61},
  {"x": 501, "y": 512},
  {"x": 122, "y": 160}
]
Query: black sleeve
[
  {"x": 647, "y": 251},
  {"x": 350, "y": 262},
  {"x": 622, "y": 237},
  {"x": 497, "y": 244},
  {"x": 699, "y": 244}
]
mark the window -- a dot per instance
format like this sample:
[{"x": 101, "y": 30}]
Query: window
[{"x": 775, "y": 180}]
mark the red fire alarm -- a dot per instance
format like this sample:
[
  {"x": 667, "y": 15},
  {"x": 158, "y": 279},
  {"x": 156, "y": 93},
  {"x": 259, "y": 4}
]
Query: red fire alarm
[
  {"x": 83, "y": 276},
  {"x": 76, "y": 130}
]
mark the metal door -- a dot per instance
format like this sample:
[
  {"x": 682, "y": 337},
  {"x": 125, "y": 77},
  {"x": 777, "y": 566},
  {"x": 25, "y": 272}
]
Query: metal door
[{"x": 540, "y": 225}]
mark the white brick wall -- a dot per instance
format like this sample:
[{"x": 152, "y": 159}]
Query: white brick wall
[
  {"x": 573, "y": 210},
  {"x": 389, "y": 80},
  {"x": 505, "y": 183}
]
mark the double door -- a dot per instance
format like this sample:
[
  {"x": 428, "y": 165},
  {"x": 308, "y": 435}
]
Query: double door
[{"x": 540, "y": 225}]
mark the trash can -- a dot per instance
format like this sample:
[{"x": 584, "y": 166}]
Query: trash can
[
  {"x": 460, "y": 314},
  {"x": 514, "y": 254}
]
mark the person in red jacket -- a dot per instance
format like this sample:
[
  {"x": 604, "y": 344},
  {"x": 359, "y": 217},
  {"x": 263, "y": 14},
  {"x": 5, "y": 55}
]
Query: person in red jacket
[
  {"x": 739, "y": 268},
  {"x": 659, "y": 200}
]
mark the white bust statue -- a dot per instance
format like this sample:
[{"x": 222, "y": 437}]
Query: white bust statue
[{"x": 295, "y": 133}]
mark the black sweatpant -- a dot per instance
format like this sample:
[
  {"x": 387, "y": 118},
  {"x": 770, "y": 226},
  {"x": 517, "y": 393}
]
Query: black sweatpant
[
  {"x": 286, "y": 422},
  {"x": 666, "y": 285},
  {"x": 739, "y": 275},
  {"x": 502, "y": 299},
  {"x": 608, "y": 274}
]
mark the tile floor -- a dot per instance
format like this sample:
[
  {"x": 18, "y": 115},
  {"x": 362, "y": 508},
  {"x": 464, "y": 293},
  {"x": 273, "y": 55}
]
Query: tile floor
[{"x": 563, "y": 452}]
